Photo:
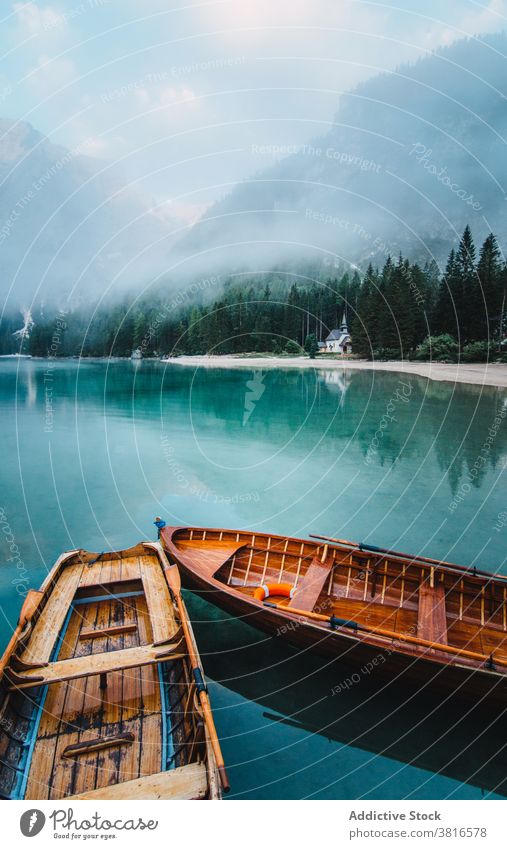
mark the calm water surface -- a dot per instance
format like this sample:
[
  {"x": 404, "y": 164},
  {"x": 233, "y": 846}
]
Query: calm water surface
[{"x": 91, "y": 452}]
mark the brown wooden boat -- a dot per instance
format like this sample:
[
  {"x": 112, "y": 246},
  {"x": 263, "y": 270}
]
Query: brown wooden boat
[
  {"x": 102, "y": 690},
  {"x": 442, "y": 624}
]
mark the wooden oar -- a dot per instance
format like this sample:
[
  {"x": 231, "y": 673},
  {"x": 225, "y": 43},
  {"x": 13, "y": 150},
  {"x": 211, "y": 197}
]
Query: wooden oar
[
  {"x": 335, "y": 622},
  {"x": 415, "y": 558},
  {"x": 29, "y": 607},
  {"x": 173, "y": 578}
]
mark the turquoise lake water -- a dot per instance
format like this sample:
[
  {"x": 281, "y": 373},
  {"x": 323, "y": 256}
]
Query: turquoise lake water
[{"x": 93, "y": 451}]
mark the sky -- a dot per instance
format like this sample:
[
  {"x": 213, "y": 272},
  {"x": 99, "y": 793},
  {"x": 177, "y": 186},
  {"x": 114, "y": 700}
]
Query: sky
[{"x": 184, "y": 97}]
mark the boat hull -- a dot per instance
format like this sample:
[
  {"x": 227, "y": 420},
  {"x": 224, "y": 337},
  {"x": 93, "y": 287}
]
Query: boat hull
[{"x": 359, "y": 656}]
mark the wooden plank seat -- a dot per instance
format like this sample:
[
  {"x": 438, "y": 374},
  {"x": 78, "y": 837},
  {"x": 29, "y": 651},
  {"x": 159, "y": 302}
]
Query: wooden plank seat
[
  {"x": 308, "y": 591},
  {"x": 111, "y": 631},
  {"x": 184, "y": 782},
  {"x": 431, "y": 615},
  {"x": 96, "y": 664}
]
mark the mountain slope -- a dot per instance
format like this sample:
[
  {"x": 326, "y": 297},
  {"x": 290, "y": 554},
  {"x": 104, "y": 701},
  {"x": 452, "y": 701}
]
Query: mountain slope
[
  {"x": 65, "y": 227},
  {"x": 412, "y": 157}
]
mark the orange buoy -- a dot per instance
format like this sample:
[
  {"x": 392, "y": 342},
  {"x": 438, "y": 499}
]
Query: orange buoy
[{"x": 265, "y": 590}]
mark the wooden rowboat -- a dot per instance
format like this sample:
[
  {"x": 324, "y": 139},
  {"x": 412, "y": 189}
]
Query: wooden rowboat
[
  {"x": 442, "y": 624},
  {"x": 102, "y": 691}
]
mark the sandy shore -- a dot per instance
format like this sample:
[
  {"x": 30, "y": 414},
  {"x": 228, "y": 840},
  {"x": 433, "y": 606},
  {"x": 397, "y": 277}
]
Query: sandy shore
[{"x": 482, "y": 374}]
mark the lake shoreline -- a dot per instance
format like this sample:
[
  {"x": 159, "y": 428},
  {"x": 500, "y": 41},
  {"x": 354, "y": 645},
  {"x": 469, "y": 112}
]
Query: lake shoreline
[
  {"x": 482, "y": 374},
  {"x": 475, "y": 374}
]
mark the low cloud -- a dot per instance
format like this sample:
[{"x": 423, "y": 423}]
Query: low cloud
[{"x": 34, "y": 20}]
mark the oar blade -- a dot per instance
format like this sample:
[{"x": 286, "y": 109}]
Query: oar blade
[
  {"x": 173, "y": 577},
  {"x": 171, "y": 570},
  {"x": 30, "y": 605}
]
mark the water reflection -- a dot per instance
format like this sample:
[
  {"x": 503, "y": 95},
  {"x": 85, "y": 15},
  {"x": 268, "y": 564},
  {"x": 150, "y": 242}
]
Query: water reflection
[
  {"x": 405, "y": 417},
  {"x": 351, "y": 410},
  {"x": 337, "y": 382},
  {"x": 129, "y": 442},
  {"x": 410, "y": 727}
]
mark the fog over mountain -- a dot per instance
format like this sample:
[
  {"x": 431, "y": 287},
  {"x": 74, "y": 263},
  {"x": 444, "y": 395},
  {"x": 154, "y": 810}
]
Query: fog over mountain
[
  {"x": 69, "y": 228},
  {"x": 413, "y": 156}
]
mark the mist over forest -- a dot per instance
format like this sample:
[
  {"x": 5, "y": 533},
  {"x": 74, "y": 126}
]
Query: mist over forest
[{"x": 411, "y": 158}]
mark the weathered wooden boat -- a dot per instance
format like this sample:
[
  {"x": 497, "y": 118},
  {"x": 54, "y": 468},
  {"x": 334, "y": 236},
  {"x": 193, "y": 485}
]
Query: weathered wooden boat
[
  {"x": 102, "y": 690},
  {"x": 441, "y": 624}
]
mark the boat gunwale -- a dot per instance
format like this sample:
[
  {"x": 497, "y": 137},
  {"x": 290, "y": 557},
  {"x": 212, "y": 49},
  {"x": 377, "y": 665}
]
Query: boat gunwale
[{"x": 482, "y": 576}]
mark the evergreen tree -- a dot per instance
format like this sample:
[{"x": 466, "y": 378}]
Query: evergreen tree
[
  {"x": 445, "y": 317},
  {"x": 500, "y": 320},
  {"x": 123, "y": 335},
  {"x": 397, "y": 321},
  {"x": 355, "y": 285},
  {"x": 489, "y": 273},
  {"x": 292, "y": 315},
  {"x": 405, "y": 306},
  {"x": 387, "y": 310},
  {"x": 311, "y": 345},
  {"x": 422, "y": 294},
  {"x": 364, "y": 321},
  {"x": 468, "y": 290},
  {"x": 432, "y": 276},
  {"x": 140, "y": 329},
  {"x": 387, "y": 336},
  {"x": 195, "y": 340}
]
